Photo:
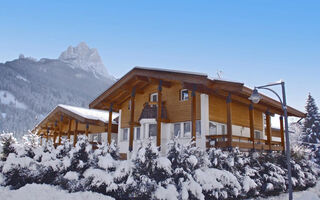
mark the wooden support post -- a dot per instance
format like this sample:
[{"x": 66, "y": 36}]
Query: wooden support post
[
  {"x": 110, "y": 124},
  {"x": 41, "y": 140},
  {"x": 251, "y": 118},
  {"x": 133, "y": 94},
  {"x": 193, "y": 113},
  {"x": 60, "y": 129},
  {"x": 268, "y": 129},
  {"x": 47, "y": 134},
  {"x": 55, "y": 133},
  {"x": 282, "y": 133},
  {"x": 75, "y": 136},
  {"x": 69, "y": 129},
  {"x": 229, "y": 121},
  {"x": 87, "y": 130},
  {"x": 159, "y": 113}
]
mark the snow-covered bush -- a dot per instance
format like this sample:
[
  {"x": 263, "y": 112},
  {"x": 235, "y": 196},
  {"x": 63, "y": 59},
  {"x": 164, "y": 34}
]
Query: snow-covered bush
[{"x": 185, "y": 172}]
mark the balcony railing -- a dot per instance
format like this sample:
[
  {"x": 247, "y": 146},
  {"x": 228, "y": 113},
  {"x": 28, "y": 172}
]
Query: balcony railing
[{"x": 221, "y": 141}]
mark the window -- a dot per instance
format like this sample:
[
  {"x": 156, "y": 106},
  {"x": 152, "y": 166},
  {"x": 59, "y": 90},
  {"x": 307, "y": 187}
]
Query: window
[
  {"x": 223, "y": 129},
  {"x": 154, "y": 97},
  {"x": 138, "y": 137},
  {"x": 176, "y": 130},
  {"x": 198, "y": 127},
  {"x": 212, "y": 128},
  {"x": 129, "y": 105},
  {"x": 186, "y": 129},
  {"x": 152, "y": 130},
  {"x": 257, "y": 135},
  {"x": 125, "y": 134},
  {"x": 184, "y": 95}
]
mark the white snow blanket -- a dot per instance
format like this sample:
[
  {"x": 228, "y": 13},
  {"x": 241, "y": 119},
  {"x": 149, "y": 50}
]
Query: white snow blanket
[{"x": 47, "y": 192}]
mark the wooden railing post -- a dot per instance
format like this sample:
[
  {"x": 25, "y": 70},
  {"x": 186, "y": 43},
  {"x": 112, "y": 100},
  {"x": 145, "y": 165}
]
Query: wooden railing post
[
  {"x": 193, "y": 112},
  {"x": 229, "y": 121},
  {"x": 159, "y": 113},
  {"x": 110, "y": 124},
  {"x": 268, "y": 130},
  {"x": 75, "y": 136},
  {"x": 282, "y": 133},
  {"x": 133, "y": 94},
  {"x": 251, "y": 117}
]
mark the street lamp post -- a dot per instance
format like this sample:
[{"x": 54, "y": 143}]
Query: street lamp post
[{"x": 255, "y": 98}]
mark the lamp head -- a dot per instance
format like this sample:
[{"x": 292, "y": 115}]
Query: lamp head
[{"x": 255, "y": 96}]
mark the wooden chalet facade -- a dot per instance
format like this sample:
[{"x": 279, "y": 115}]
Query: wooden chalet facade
[
  {"x": 69, "y": 121},
  {"x": 191, "y": 105}
]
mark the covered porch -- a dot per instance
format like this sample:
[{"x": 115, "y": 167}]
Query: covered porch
[{"x": 68, "y": 122}]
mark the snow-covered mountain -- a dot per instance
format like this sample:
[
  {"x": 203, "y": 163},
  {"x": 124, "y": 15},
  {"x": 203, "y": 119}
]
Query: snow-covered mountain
[
  {"x": 29, "y": 88},
  {"x": 85, "y": 58}
]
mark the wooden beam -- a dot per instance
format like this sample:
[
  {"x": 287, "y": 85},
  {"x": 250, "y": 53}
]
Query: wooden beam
[
  {"x": 282, "y": 132},
  {"x": 75, "y": 136},
  {"x": 251, "y": 118},
  {"x": 55, "y": 133},
  {"x": 193, "y": 113},
  {"x": 47, "y": 139},
  {"x": 159, "y": 118},
  {"x": 110, "y": 124},
  {"x": 87, "y": 130},
  {"x": 229, "y": 120},
  {"x": 268, "y": 129},
  {"x": 133, "y": 94},
  {"x": 60, "y": 128},
  {"x": 69, "y": 129}
]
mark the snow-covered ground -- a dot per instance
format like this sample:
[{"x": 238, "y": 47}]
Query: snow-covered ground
[
  {"x": 47, "y": 192},
  {"x": 310, "y": 194}
]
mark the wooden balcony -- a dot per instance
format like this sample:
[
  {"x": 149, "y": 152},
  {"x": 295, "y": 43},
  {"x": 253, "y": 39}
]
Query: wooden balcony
[{"x": 245, "y": 143}]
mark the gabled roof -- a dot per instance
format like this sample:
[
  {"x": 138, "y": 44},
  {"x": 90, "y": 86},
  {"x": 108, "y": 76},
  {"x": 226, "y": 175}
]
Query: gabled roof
[
  {"x": 141, "y": 77},
  {"x": 84, "y": 115}
]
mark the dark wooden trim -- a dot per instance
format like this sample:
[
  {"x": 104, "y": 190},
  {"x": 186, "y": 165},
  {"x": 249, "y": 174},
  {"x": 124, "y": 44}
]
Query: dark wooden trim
[
  {"x": 193, "y": 112},
  {"x": 75, "y": 136},
  {"x": 110, "y": 124},
  {"x": 133, "y": 94},
  {"x": 251, "y": 118},
  {"x": 268, "y": 128},
  {"x": 282, "y": 132},
  {"x": 159, "y": 109},
  {"x": 229, "y": 120}
]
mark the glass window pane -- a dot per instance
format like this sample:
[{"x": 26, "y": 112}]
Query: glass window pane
[
  {"x": 152, "y": 130},
  {"x": 187, "y": 129},
  {"x": 198, "y": 127},
  {"x": 184, "y": 95},
  {"x": 138, "y": 133},
  {"x": 212, "y": 128},
  {"x": 154, "y": 97},
  {"x": 177, "y": 130},
  {"x": 125, "y": 134},
  {"x": 223, "y": 129}
]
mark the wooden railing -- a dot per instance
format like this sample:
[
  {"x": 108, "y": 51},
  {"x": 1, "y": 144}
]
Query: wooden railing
[{"x": 221, "y": 141}]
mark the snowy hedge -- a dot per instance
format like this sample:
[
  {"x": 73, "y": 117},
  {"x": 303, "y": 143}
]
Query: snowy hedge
[{"x": 185, "y": 172}]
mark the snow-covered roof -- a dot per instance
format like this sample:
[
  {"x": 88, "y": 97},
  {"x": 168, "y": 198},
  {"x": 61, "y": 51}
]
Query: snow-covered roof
[
  {"x": 92, "y": 114},
  {"x": 173, "y": 71}
]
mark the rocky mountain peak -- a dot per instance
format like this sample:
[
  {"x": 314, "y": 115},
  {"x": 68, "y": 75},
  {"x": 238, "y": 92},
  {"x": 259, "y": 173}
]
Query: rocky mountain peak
[{"x": 86, "y": 58}]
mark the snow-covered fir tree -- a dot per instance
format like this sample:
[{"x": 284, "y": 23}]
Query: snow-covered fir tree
[
  {"x": 311, "y": 128},
  {"x": 7, "y": 141}
]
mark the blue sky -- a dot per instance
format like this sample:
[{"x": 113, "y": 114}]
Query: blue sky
[{"x": 254, "y": 42}]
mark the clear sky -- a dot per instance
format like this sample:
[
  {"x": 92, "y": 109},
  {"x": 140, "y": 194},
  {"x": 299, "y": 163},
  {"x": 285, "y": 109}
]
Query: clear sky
[{"x": 254, "y": 42}]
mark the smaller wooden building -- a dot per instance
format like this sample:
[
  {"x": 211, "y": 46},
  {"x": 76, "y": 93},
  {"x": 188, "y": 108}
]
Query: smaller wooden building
[{"x": 66, "y": 121}]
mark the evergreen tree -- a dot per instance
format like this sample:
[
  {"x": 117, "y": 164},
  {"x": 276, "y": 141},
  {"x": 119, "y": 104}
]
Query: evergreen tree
[
  {"x": 7, "y": 141},
  {"x": 311, "y": 129}
]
